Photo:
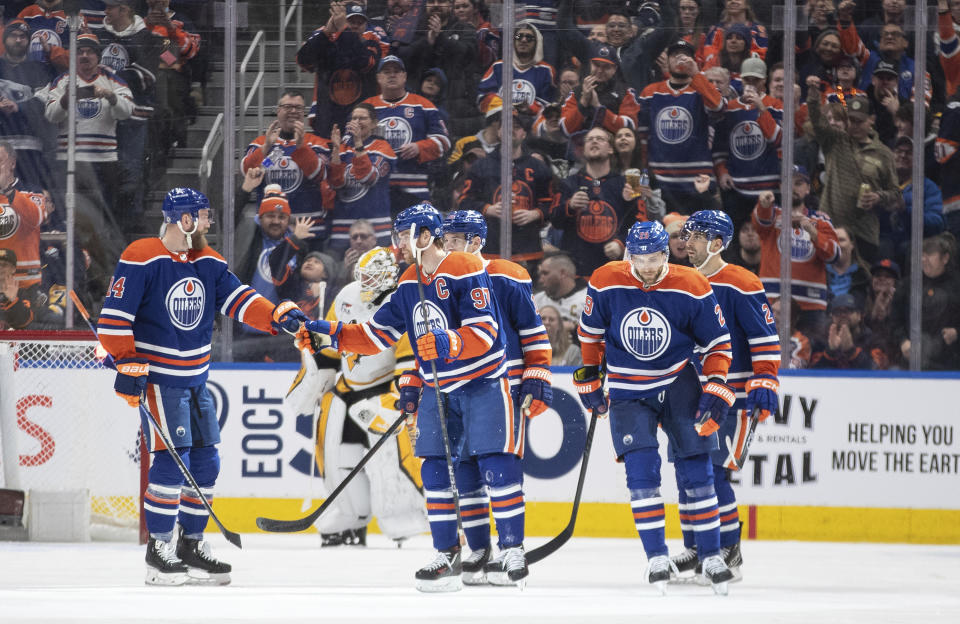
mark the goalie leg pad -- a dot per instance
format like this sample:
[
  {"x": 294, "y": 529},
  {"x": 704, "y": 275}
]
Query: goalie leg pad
[
  {"x": 702, "y": 513},
  {"x": 351, "y": 510},
  {"x": 161, "y": 501},
  {"x": 205, "y": 467},
  {"x": 727, "y": 503},
  {"x": 440, "y": 509},
  {"x": 503, "y": 476},
  {"x": 643, "y": 480},
  {"x": 474, "y": 504}
]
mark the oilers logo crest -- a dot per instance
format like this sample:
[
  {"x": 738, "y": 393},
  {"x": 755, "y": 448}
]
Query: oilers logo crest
[
  {"x": 88, "y": 108},
  {"x": 396, "y": 131},
  {"x": 524, "y": 93},
  {"x": 645, "y": 333},
  {"x": 674, "y": 125},
  {"x": 185, "y": 303},
  {"x": 746, "y": 141},
  {"x": 284, "y": 171},
  {"x": 39, "y": 39},
  {"x": 352, "y": 189},
  {"x": 115, "y": 57},
  {"x": 9, "y": 221},
  {"x": 801, "y": 248},
  {"x": 434, "y": 318}
]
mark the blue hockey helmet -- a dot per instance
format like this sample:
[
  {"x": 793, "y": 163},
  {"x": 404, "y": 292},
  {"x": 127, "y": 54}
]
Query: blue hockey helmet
[
  {"x": 468, "y": 222},
  {"x": 713, "y": 223},
  {"x": 423, "y": 215},
  {"x": 647, "y": 237},
  {"x": 180, "y": 201}
]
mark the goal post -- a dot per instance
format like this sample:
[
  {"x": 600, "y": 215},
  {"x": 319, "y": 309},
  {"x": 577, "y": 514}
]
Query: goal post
[{"x": 63, "y": 430}]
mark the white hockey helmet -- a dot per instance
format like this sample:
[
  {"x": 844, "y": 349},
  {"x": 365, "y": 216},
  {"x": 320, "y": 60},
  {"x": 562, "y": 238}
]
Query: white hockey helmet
[{"x": 376, "y": 271}]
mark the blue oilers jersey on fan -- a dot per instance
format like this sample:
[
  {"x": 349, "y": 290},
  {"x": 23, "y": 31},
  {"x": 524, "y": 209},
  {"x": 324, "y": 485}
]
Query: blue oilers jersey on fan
[
  {"x": 532, "y": 87},
  {"x": 749, "y": 319},
  {"x": 748, "y": 143},
  {"x": 161, "y": 307},
  {"x": 457, "y": 296},
  {"x": 522, "y": 329},
  {"x": 649, "y": 334}
]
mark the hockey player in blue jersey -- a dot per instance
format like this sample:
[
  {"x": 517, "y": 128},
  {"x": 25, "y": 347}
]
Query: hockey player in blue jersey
[
  {"x": 458, "y": 328},
  {"x": 528, "y": 369},
  {"x": 157, "y": 324},
  {"x": 647, "y": 318},
  {"x": 752, "y": 375}
]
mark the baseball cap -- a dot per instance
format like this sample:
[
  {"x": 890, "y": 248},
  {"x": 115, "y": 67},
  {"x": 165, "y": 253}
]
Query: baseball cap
[
  {"x": 886, "y": 265},
  {"x": 885, "y": 67},
  {"x": 858, "y": 106},
  {"x": 753, "y": 67},
  {"x": 391, "y": 59},
  {"x": 844, "y": 302},
  {"x": 799, "y": 171},
  {"x": 8, "y": 255},
  {"x": 605, "y": 54},
  {"x": 681, "y": 45},
  {"x": 354, "y": 9}
]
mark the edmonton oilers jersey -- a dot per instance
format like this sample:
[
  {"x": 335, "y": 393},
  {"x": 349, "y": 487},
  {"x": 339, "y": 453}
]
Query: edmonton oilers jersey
[
  {"x": 749, "y": 319},
  {"x": 523, "y": 331},
  {"x": 532, "y": 87},
  {"x": 749, "y": 142},
  {"x": 161, "y": 306},
  {"x": 649, "y": 334}
]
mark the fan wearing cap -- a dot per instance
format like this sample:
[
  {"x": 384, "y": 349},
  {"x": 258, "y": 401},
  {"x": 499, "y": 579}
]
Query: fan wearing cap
[
  {"x": 675, "y": 118},
  {"x": 602, "y": 99},
  {"x": 18, "y": 305},
  {"x": 847, "y": 344},
  {"x": 533, "y": 78},
  {"x": 881, "y": 315},
  {"x": 343, "y": 55},
  {"x": 895, "y": 228}
]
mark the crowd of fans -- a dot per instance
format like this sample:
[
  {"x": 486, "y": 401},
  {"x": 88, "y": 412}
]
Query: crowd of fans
[{"x": 622, "y": 110}]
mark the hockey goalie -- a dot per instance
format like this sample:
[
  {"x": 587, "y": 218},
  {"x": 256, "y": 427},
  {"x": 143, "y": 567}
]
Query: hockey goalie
[{"x": 354, "y": 400}]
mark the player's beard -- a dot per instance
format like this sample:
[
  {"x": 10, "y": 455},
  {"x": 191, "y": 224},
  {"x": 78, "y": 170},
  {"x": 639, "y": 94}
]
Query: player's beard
[{"x": 198, "y": 241}]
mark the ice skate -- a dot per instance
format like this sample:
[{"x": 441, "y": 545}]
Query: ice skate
[
  {"x": 203, "y": 568},
  {"x": 163, "y": 566},
  {"x": 473, "y": 572},
  {"x": 443, "y": 573},
  {"x": 685, "y": 565},
  {"x": 733, "y": 559},
  {"x": 350, "y": 537},
  {"x": 659, "y": 571},
  {"x": 716, "y": 572},
  {"x": 509, "y": 568}
]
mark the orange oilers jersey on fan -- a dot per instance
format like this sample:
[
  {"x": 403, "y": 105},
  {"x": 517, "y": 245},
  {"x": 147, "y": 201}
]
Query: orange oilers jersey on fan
[
  {"x": 650, "y": 334},
  {"x": 20, "y": 221}
]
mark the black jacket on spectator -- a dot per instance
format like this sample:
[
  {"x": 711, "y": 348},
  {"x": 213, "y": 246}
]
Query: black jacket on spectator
[
  {"x": 27, "y": 129},
  {"x": 940, "y": 300},
  {"x": 134, "y": 55}
]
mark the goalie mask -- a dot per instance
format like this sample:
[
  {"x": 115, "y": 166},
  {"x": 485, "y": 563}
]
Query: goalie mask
[{"x": 376, "y": 271}]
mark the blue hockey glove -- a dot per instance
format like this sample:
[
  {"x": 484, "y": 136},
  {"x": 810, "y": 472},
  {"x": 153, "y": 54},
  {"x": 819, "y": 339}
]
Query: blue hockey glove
[
  {"x": 714, "y": 403},
  {"x": 536, "y": 391},
  {"x": 410, "y": 385},
  {"x": 439, "y": 343},
  {"x": 131, "y": 379},
  {"x": 324, "y": 333},
  {"x": 762, "y": 394},
  {"x": 288, "y": 317},
  {"x": 588, "y": 381}
]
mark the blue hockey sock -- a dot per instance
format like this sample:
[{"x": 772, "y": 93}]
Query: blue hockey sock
[
  {"x": 685, "y": 526},
  {"x": 205, "y": 467},
  {"x": 474, "y": 505},
  {"x": 161, "y": 501},
  {"x": 643, "y": 480},
  {"x": 727, "y": 503},
  {"x": 503, "y": 476},
  {"x": 441, "y": 512},
  {"x": 701, "y": 510}
]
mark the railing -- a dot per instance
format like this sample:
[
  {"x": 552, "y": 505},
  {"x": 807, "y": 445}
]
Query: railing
[
  {"x": 210, "y": 149},
  {"x": 259, "y": 42},
  {"x": 294, "y": 11}
]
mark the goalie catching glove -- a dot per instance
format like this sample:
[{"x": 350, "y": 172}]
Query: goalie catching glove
[
  {"x": 440, "y": 343},
  {"x": 288, "y": 317},
  {"x": 131, "y": 379},
  {"x": 762, "y": 395},
  {"x": 588, "y": 381},
  {"x": 536, "y": 391},
  {"x": 714, "y": 403}
]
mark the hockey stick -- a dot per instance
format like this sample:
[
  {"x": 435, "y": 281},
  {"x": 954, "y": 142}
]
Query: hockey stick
[
  {"x": 232, "y": 537},
  {"x": 436, "y": 386},
  {"x": 301, "y": 524},
  {"x": 553, "y": 545},
  {"x": 738, "y": 460}
]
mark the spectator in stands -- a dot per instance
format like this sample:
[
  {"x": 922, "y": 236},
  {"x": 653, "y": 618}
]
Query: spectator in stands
[
  {"x": 735, "y": 50},
  {"x": 940, "y": 312},
  {"x": 640, "y": 47},
  {"x": 17, "y": 304},
  {"x": 360, "y": 167},
  {"x": 691, "y": 28},
  {"x": 489, "y": 135},
  {"x": 565, "y": 352},
  {"x": 948, "y": 157},
  {"x": 49, "y": 33},
  {"x": 749, "y": 251},
  {"x": 415, "y": 130},
  {"x": 846, "y": 275},
  {"x": 675, "y": 118},
  {"x": 739, "y": 12},
  {"x": 628, "y": 150},
  {"x": 720, "y": 78},
  {"x": 595, "y": 207},
  {"x": 800, "y": 349},
  {"x": 477, "y": 14},
  {"x": 433, "y": 86},
  {"x": 561, "y": 288},
  {"x": 852, "y": 152},
  {"x": 881, "y": 314},
  {"x": 895, "y": 225},
  {"x": 531, "y": 198},
  {"x": 814, "y": 245},
  {"x": 884, "y": 100},
  {"x": 291, "y": 157},
  {"x": 273, "y": 223},
  {"x": 602, "y": 99},
  {"x": 848, "y": 339},
  {"x": 673, "y": 224},
  {"x": 22, "y": 214},
  {"x": 533, "y": 78},
  {"x": 363, "y": 238},
  {"x": 22, "y": 123},
  {"x": 567, "y": 81},
  {"x": 822, "y": 57},
  {"x": 343, "y": 55}
]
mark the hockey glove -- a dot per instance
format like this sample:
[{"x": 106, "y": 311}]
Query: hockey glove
[
  {"x": 588, "y": 381},
  {"x": 288, "y": 317},
  {"x": 762, "y": 394},
  {"x": 131, "y": 379},
  {"x": 714, "y": 403},
  {"x": 536, "y": 391},
  {"x": 410, "y": 385},
  {"x": 324, "y": 332},
  {"x": 439, "y": 343}
]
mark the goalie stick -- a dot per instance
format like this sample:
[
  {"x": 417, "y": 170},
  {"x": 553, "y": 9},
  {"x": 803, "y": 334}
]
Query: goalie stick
[
  {"x": 738, "y": 460},
  {"x": 232, "y": 537},
  {"x": 554, "y": 545}
]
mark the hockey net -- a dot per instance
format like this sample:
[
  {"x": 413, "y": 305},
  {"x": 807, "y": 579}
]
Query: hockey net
[{"x": 62, "y": 429}]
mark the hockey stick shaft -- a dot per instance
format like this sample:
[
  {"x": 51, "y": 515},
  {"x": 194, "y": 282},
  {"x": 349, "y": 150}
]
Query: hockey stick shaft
[
  {"x": 742, "y": 457},
  {"x": 232, "y": 537},
  {"x": 553, "y": 545},
  {"x": 301, "y": 524}
]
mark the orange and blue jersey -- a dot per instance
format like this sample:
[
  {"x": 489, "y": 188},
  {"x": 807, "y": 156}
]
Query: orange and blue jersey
[
  {"x": 161, "y": 306},
  {"x": 748, "y": 146},
  {"x": 457, "y": 296},
  {"x": 649, "y": 334},
  {"x": 528, "y": 345},
  {"x": 533, "y": 87},
  {"x": 362, "y": 183}
]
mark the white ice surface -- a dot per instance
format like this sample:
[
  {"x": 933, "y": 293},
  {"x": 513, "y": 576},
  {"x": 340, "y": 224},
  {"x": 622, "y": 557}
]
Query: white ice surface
[{"x": 290, "y": 579}]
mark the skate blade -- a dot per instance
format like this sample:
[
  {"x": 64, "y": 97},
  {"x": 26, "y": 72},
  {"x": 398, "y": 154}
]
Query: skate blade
[
  {"x": 660, "y": 586},
  {"x": 155, "y": 577},
  {"x": 687, "y": 579},
  {"x": 475, "y": 578},
  {"x": 521, "y": 584},
  {"x": 446, "y": 584},
  {"x": 500, "y": 579},
  {"x": 720, "y": 589},
  {"x": 737, "y": 575},
  {"x": 198, "y": 577}
]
